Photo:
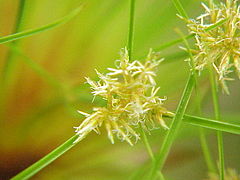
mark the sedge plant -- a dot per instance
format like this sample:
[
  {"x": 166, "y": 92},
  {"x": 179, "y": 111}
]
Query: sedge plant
[{"x": 130, "y": 93}]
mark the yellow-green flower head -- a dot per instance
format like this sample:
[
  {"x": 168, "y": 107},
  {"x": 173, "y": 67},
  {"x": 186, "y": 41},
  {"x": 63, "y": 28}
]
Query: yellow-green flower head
[
  {"x": 219, "y": 46},
  {"x": 229, "y": 175},
  {"x": 130, "y": 94}
]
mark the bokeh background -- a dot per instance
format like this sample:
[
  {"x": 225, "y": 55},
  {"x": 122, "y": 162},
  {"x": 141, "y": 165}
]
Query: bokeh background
[{"x": 38, "y": 109}]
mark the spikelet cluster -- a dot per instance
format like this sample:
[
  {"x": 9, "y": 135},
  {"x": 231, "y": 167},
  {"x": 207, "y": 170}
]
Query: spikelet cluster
[
  {"x": 218, "y": 46},
  {"x": 230, "y": 175},
  {"x": 130, "y": 94}
]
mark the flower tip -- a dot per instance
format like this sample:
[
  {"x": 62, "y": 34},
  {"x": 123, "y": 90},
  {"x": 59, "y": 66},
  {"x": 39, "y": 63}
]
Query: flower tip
[{"x": 83, "y": 113}]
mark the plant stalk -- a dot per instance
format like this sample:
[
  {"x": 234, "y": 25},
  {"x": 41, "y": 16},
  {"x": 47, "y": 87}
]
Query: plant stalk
[
  {"x": 193, "y": 120},
  {"x": 217, "y": 117},
  {"x": 131, "y": 28},
  {"x": 174, "y": 127},
  {"x": 46, "y": 160}
]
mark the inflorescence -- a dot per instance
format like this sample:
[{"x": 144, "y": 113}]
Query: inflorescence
[
  {"x": 130, "y": 94},
  {"x": 218, "y": 46}
]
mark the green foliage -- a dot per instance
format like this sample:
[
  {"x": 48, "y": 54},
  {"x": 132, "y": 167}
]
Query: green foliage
[{"x": 39, "y": 102}]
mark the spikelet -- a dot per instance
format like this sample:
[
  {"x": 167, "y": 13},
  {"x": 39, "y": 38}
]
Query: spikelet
[
  {"x": 219, "y": 46},
  {"x": 130, "y": 94}
]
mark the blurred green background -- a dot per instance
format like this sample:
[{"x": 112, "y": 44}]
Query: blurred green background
[{"x": 38, "y": 112}]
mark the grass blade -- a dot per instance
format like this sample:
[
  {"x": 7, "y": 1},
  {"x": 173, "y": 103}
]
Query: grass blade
[
  {"x": 203, "y": 140},
  {"x": 174, "y": 127},
  {"x": 36, "y": 167},
  {"x": 212, "y": 124},
  {"x": 176, "y": 122},
  {"x": 172, "y": 43},
  {"x": 193, "y": 120},
  {"x": 31, "y": 32}
]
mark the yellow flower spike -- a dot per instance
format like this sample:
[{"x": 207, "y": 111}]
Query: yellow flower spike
[
  {"x": 230, "y": 175},
  {"x": 130, "y": 93},
  {"x": 219, "y": 46}
]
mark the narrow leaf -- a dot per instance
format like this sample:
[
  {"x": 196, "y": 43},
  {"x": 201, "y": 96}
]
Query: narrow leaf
[
  {"x": 212, "y": 124},
  {"x": 174, "y": 127},
  {"x": 36, "y": 167},
  {"x": 31, "y": 32}
]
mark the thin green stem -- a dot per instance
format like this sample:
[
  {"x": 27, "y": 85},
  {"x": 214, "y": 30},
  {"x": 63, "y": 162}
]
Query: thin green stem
[
  {"x": 130, "y": 50},
  {"x": 193, "y": 120},
  {"x": 176, "y": 122},
  {"x": 131, "y": 28},
  {"x": 217, "y": 117},
  {"x": 18, "y": 26},
  {"x": 149, "y": 150},
  {"x": 9, "y": 61},
  {"x": 147, "y": 145},
  {"x": 202, "y": 137},
  {"x": 174, "y": 127},
  {"x": 30, "y": 32},
  {"x": 36, "y": 167},
  {"x": 212, "y": 124},
  {"x": 206, "y": 151},
  {"x": 203, "y": 140}
]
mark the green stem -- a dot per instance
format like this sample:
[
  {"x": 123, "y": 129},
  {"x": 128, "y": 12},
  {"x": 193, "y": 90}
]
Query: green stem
[
  {"x": 9, "y": 62},
  {"x": 202, "y": 137},
  {"x": 175, "y": 126},
  {"x": 149, "y": 150},
  {"x": 193, "y": 120},
  {"x": 147, "y": 145},
  {"x": 131, "y": 28},
  {"x": 10, "y": 56},
  {"x": 217, "y": 117},
  {"x": 206, "y": 151},
  {"x": 30, "y": 32},
  {"x": 36, "y": 167},
  {"x": 203, "y": 140},
  {"x": 212, "y": 124}
]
